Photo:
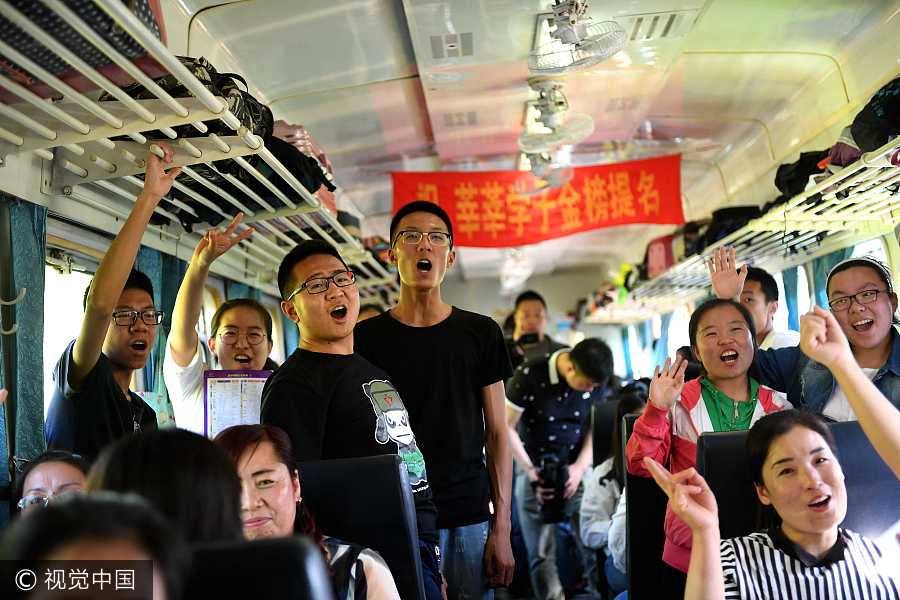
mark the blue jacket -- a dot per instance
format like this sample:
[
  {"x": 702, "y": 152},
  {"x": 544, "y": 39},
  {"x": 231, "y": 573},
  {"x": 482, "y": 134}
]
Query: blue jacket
[{"x": 809, "y": 384}]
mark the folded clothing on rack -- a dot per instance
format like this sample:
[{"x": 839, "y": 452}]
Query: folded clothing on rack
[
  {"x": 148, "y": 11},
  {"x": 879, "y": 120}
]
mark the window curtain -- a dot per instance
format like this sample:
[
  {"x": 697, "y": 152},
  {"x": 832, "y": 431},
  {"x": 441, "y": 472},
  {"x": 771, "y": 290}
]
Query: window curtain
[
  {"x": 235, "y": 289},
  {"x": 791, "y": 298},
  {"x": 291, "y": 335},
  {"x": 626, "y": 350},
  {"x": 821, "y": 267},
  {"x": 22, "y": 373},
  {"x": 645, "y": 335},
  {"x": 662, "y": 345},
  {"x": 166, "y": 273}
]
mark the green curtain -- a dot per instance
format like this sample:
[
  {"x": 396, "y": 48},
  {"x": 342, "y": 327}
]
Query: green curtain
[
  {"x": 821, "y": 267},
  {"x": 23, "y": 350},
  {"x": 291, "y": 335}
]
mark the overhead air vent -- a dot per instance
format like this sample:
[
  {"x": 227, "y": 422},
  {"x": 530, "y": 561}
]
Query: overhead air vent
[
  {"x": 460, "y": 119},
  {"x": 658, "y": 26},
  {"x": 452, "y": 45}
]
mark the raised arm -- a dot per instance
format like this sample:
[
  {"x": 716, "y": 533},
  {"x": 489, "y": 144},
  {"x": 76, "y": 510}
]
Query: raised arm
[
  {"x": 652, "y": 434},
  {"x": 183, "y": 337},
  {"x": 693, "y": 501},
  {"x": 108, "y": 282},
  {"x": 498, "y": 557},
  {"x": 822, "y": 339},
  {"x": 727, "y": 280}
]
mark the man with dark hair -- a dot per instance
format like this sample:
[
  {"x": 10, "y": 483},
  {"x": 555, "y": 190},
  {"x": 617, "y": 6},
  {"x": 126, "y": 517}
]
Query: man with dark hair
[
  {"x": 92, "y": 404},
  {"x": 240, "y": 332},
  {"x": 450, "y": 365},
  {"x": 552, "y": 399},
  {"x": 334, "y": 403},
  {"x": 529, "y": 339},
  {"x": 760, "y": 296}
]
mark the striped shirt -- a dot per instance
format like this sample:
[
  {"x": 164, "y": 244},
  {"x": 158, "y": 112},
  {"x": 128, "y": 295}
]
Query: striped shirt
[{"x": 755, "y": 569}]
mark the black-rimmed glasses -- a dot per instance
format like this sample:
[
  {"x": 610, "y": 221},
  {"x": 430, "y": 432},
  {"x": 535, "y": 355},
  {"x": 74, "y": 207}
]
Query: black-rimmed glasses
[
  {"x": 127, "y": 318},
  {"x": 863, "y": 297},
  {"x": 318, "y": 285}
]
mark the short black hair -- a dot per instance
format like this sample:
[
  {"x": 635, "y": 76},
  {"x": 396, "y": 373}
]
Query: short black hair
[
  {"x": 766, "y": 283},
  {"x": 236, "y": 302},
  {"x": 185, "y": 476},
  {"x": 593, "y": 358},
  {"x": 707, "y": 306},
  {"x": 529, "y": 295},
  {"x": 136, "y": 280},
  {"x": 301, "y": 252},
  {"x": 100, "y": 517},
  {"x": 421, "y": 206},
  {"x": 62, "y": 456}
]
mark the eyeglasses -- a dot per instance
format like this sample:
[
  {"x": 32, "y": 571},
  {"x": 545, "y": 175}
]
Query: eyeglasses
[
  {"x": 435, "y": 238},
  {"x": 33, "y": 500},
  {"x": 318, "y": 285},
  {"x": 127, "y": 318},
  {"x": 230, "y": 337},
  {"x": 863, "y": 297}
]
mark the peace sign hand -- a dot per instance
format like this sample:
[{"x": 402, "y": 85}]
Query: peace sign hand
[
  {"x": 665, "y": 388},
  {"x": 216, "y": 243},
  {"x": 727, "y": 280},
  {"x": 689, "y": 496}
]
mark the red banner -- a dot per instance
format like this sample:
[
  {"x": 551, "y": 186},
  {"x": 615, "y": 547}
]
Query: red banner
[{"x": 498, "y": 209}]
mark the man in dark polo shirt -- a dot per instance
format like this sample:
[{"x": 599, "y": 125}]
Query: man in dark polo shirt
[
  {"x": 92, "y": 404},
  {"x": 529, "y": 339},
  {"x": 549, "y": 399}
]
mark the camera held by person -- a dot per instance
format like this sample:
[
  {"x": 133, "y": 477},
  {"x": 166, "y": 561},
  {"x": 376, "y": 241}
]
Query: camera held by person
[{"x": 551, "y": 485}]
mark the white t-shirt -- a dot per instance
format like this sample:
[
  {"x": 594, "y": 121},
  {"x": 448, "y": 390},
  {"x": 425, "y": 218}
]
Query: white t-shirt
[
  {"x": 781, "y": 339},
  {"x": 838, "y": 408},
  {"x": 185, "y": 385}
]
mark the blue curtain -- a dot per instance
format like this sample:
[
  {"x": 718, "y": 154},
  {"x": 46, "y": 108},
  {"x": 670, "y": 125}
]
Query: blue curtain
[
  {"x": 166, "y": 273},
  {"x": 645, "y": 334},
  {"x": 791, "y": 298},
  {"x": 234, "y": 289},
  {"x": 662, "y": 345},
  {"x": 25, "y": 380},
  {"x": 626, "y": 350},
  {"x": 821, "y": 267}
]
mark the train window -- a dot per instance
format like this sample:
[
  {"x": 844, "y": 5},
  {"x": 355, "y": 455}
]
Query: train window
[
  {"x": 678, "y": 330},
  {"x": 871, "y": 248},
  {"x": 62, "y": 320},
  {"x": 780, "y": 320},
  {"x": 277, "y": 353}
]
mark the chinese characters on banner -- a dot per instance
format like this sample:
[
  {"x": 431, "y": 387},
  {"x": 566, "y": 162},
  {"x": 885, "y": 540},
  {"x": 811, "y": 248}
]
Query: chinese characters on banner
[{"x": 491, "y": 209}]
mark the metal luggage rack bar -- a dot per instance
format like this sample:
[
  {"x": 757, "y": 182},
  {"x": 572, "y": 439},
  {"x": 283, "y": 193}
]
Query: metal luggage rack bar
[
  {"x": 73, "y": 135},
  {"x": 859, "y": 202}
]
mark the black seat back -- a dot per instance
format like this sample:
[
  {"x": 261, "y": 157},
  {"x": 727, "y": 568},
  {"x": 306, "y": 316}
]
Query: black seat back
[
  {"x": 645, "y": 514},
  {"x": 603, "y": 416},
  {"x": 285, "y": 568},
  {"x": 368, "y": 501},
  {"x": 872, "y": 488}
]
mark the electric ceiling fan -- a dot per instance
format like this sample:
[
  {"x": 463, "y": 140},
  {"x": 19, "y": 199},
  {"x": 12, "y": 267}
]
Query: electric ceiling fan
[{"x": 577, "y": 41}]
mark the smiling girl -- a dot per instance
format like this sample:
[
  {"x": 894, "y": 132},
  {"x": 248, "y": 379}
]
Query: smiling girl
[{"x": 724, "y": 398}]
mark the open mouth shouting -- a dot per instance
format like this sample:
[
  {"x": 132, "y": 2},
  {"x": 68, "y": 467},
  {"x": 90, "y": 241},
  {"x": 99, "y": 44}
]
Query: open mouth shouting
[
  {"x": 242, "y": 358},
  {"x": 729, "y": 357},
  {"x": 338, "y": 312},
  {"x": 862, "y": 324},
  {"x": 423, "y": 265},
  {"x": 820, "y": 503},
  {"x": 139, "y": 346}
]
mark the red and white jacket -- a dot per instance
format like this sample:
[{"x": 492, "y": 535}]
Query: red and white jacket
[{"x": 671, "y": 436}]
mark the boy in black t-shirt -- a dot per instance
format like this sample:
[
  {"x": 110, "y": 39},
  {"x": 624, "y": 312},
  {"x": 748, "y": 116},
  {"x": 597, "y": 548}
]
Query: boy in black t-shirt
[
  {"x": 450, "y": 365},
  {"x": 92, "y": 404},
  {"x": 334, "y": 403}
]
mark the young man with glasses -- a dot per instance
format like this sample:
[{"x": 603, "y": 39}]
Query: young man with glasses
[
  {"x": 450, "y": 365},
  {"x": 334, "y": 403},
  {"x": 861, "y": 297},
  {"x": 92, "y": 404},
  {"x": 240, "y": 332}
]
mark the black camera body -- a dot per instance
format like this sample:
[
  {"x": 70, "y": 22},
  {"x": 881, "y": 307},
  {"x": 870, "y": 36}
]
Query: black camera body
[{"x": 553, "y": 474}]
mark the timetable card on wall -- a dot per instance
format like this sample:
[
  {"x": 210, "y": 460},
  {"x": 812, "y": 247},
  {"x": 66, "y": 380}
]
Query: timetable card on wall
[{"x": 232, "y": 398}]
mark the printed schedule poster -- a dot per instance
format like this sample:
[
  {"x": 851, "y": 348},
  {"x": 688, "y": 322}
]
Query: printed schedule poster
[{"x": 232, "y": 398}]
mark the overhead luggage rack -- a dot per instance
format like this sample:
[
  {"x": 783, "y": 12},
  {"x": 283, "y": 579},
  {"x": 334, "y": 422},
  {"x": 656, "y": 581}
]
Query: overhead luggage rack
[
  {"x": 858, "y": 203},
  {"x": 100, "y": 145}
]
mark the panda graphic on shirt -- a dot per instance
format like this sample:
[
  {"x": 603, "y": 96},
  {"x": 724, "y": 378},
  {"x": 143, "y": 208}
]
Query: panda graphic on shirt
[{"x": 392, "y": 424}]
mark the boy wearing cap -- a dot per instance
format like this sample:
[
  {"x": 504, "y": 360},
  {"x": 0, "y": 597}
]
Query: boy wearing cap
[
  {"x": 860, "y": 294},
  {"x": 334, "y": 403}
]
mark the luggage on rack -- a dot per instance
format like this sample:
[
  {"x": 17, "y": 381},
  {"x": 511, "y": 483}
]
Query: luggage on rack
[
  {"x": 879, "y": 120},
  {"x": 148, "y": 11},
  {"x": 792, "y": 178},
  {"x": 726, "y": 221}
]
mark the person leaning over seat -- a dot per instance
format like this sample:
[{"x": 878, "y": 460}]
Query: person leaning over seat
[
  {"x": 725, "y": 398},
  {"x": 862, "y": 299},
  {"x": 240, "y": 332},
  {"x": 795, "y": 471},
  {"x": 272, "y": 506},
  {"x": 92, "y": 404}
]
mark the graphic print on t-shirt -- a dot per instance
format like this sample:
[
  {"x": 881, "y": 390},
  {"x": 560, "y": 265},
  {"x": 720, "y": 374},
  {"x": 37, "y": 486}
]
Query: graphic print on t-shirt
[{"x": 392, "y": 423}]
